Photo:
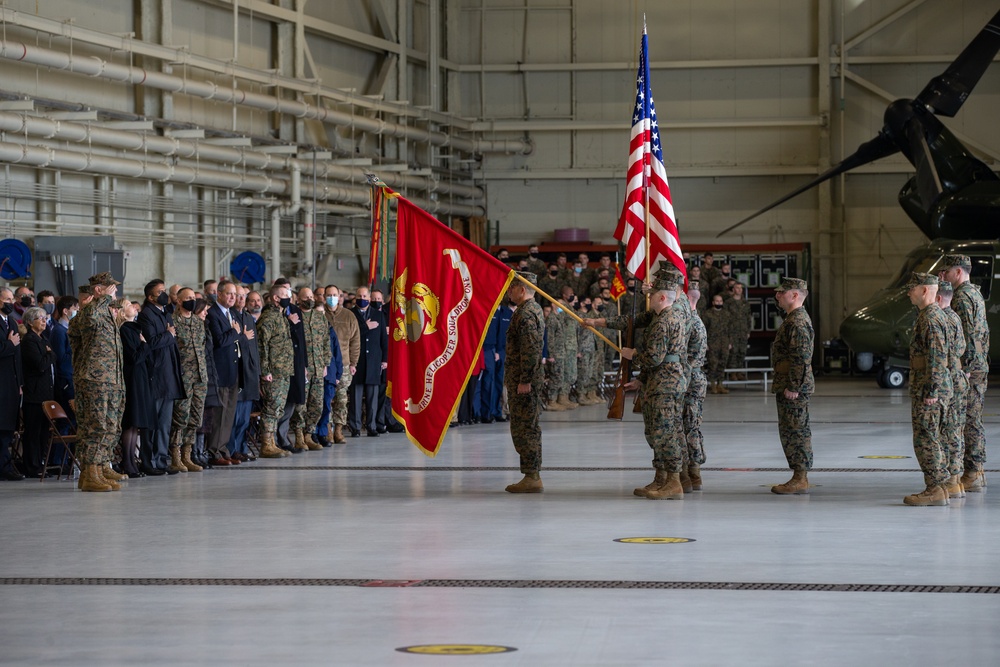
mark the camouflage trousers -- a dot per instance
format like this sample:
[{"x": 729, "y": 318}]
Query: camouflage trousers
[
  {"x": 307, "y": 414},
  {"x": 273, "y": 396},
  {"x": 738, "y": 355},
  {"x": 715, "y": 363},
  {"x": 554, "y": 371},
  {"x": 568, "y": 373},
  {"x": 953, "y": 426},
  {"x": 525, "y": 431},
  {"x": 927, "y": 445},
  {"x": 338, "y": 413},
  {"x": 586, "y": 373},
  {"x": 663, "y": 419},
  {"x": 694, "y": 402},
  {"x": 188, "y": 414},
  {"x": 794, "y": 431},
  {"x": 99, "y": 410},
  {"x": 975, "y": 436}
]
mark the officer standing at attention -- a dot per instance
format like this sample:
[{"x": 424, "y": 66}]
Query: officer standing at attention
[
  {"x": 954, "y": 418},
  {"x": 968, "y": 303},
  {"x": 930, "y": 389},
  {"x": 277, "y": 365},
  {"x": 523, "y": 379},
  {"x": 791, "y": 357},
  {"x": 663, "y": 360},
  {"x": 694, "y": 397}
]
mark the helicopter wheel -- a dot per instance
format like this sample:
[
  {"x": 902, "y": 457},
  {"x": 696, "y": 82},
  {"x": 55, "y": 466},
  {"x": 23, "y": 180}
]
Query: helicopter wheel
[
  {"x": 880, "y": 379},
  {"x": 892, "y": 378}
]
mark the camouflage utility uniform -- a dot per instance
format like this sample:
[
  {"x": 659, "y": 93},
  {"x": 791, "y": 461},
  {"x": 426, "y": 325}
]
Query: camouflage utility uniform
[
  {"x": 663, "y": 360},
  {"x": 556, "y": 325},
  {"x": 952, "y": 429},
  {"x": 277, "y": 359},
  {"x": 971, "y": 309},
  {"x": 717, "y": 325},
  {"x": 791, "y": 357},
  {"x": 524, "y": 366},
  {"x": 694, "y": 397},
  {"x": 318, "y": 353},
  {"x": 930, "y": 377},
  {"x": 739, "y": 329},
  {"x": 188, "y": 412}
]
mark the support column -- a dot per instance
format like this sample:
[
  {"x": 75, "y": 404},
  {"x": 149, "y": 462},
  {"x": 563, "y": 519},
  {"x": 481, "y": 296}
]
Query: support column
[{"x": 827, "y": 263}]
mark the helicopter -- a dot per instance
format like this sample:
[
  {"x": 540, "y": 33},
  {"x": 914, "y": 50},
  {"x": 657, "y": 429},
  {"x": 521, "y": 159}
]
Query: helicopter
[{"x": 954, "y": 199}]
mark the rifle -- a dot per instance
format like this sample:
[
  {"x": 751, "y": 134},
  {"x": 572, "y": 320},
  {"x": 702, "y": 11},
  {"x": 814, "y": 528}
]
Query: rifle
[{"x": 616, "y": 404}]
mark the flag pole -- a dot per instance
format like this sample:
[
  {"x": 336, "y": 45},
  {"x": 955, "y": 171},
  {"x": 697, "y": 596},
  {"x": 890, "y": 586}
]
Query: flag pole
[{"x": 568, "y": 312}]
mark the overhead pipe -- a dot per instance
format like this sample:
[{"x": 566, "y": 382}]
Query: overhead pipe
[
  {"x": 275, "y": 242},
  {"x": 138, "y": 76},
  {"x": 66, "y": 158}
]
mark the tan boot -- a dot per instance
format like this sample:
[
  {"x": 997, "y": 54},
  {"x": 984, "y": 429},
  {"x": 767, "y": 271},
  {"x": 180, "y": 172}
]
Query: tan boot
[
  {"x": 338, "y": 434},
  {"x": 974, "y": 481},
  {"x": 269, "y": 450},
  {"x": 300, "y": 441},
  {"x": 713, "y": 388},
  {"x": 312, "y": 444},
  {"x": 694, "y": 472},
  {"x": 686, "y": 481},
  {"x": 722, "y": 389},
  {"x": 954, "y": 487},
  {"x": 932, "y": 496},
  {"x": 186, "y": 461},
  {"x": 671, "y": 489},
  {"x": 99, "y": 472},
  {"x": 658, "y": 480},
  {"x": 570, "y": 405},
  {"x": 107, "y": 472},
  {"x": 555, "y": 406},
  {"x": 175, "y": 460},
  {"x": 531, "y": 483},
  {"x": 797, "y": 485},
  {"x": 90, "y": 480}
]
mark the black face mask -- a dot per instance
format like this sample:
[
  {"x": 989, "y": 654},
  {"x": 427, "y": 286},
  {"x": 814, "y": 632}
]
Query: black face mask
[
  {"x": 600, "y": 309},
  {"x": 25, "y": 301},
  {"x": 631, "y": 289},
  {"x": 285, "y": 303},
  {"x": 162, "y": 299},
  {"x": 717, "y": 306},
  {"x": 7, "y": 308},
  {"x": 532, "y": 254},
  {"x": 189, "y": 305},
  {"x": 554, "y": 273},
  {"x": 377, "y": 306},
  {"x": 306, "y": 305}
]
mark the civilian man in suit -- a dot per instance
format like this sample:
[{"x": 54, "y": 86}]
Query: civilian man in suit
[
  {"x": 10, "y": 383},
  {"x": 249, "y": 377},
  {"x": 158, "y": 329},
  {"x": 371, "y": 363},
  {"x": 227, "y": 331}
]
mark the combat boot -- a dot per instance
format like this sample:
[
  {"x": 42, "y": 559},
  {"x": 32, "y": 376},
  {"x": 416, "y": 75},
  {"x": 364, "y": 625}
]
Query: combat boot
[
  {"x": 722, "y": 389},
  {"x": 694, "y": 472},
  {"x": 686, "y": 481},
  {"x": 300, "y": 441},
  {"x": 338, "y": 434},
  {"x": 99, "y": 472},
  {"x": 90, "y": 480},
  {"x": 713, "y": 388},
  {"x": 107, "y": 472},
  {"x": 954, "y": 487},
  {"x": 268, "y": 450},
  {"x": 568, "y": 404},
  {"x": 531, "y": 483},
  {"x": 312, "y": 444},
  {"x": 555, "y": 406},
  {"x": 671, "y": 488},
  {"x": 797, "y": 485},
  {"x": 932, "y": 496},
  {"x": 974, "y": 480},
  {"x": 186, "y": 461},
  {"x": 175, "y": 460},
  {"x": 658, "y": 480}
]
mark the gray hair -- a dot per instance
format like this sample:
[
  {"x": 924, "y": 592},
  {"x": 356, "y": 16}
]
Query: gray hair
[{"x": 32, "y": 314}]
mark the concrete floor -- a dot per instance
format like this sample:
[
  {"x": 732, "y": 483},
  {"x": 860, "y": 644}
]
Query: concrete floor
[{"x": 343, "y": 556}]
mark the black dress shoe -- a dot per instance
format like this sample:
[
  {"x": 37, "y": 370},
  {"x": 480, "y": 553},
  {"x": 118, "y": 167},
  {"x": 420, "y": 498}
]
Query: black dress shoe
[
  {"x": 502, "y": 419},
  {"x": 372, "y": 434},
  {"x": 487, "y": 420},
  {"x": 396, "y": 428},
  {"x": 381, "y": 429},
  {"x": 355, "y": 434},
  {"x": 321, "y": 440},
  {"x": 153, "y": 472},
  {"x": 11, "y": 475},
  {"x": 135, "y": 475}
]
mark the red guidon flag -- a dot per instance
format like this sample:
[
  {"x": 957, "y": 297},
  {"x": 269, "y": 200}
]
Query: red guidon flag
[
  {"x": 444, "y": 293},
  {"x": 618, "y": 284}
]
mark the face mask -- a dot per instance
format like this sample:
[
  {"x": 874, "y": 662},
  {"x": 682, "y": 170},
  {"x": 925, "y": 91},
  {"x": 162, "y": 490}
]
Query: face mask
[
  {"x": 25, "y": 301},
  {"x": 7, "y": 308},
  {"x": 578, "y": 306},
  {"x": 162, "y": 299},
  {"x": 169, "y": 309},
  {"x": 631, "y": 289},
  {"x": 554, "y": 273},
  {"x": 255, "y": 311},
  {"x": 189, "y": 305},
  {"x": 73, "y": 313},
  {"x": 306, "y": 304},
  {"x": 600, "y": 309},
  {"x": 49, "y": 308},
  {"x": 212, "y": 298},
  {"x": 558, "y": 310},
  {"x": 532, "y": 254},
  {"x": 717, "y": 306},
  {"x": 285, "y": 303},
  {"x": 377, "y": 305},
  {"x": 363, "y": 303},
  {"x": 578, "y": 269},
  {"x": 332, "y": 301}
]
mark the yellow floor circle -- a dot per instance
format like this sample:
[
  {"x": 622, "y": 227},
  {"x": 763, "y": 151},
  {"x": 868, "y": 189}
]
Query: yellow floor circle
[
  {"x": 456, "y": 649},
  {"x": 654, "y": 540},
  {"x": 883, "y": 457}
]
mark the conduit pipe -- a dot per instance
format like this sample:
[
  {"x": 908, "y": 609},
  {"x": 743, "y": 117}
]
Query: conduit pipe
[
  {"x": 200, "y": 150},
  {"x": 138, "y": 76},
  {"x": 275, "y": 242},
  {"x": 66, "y": 158}
]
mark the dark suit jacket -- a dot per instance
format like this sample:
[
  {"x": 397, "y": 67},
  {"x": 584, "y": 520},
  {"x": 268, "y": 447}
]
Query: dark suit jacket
[
  {"x": 38, "y": 365},
  {"x": 167, "y": 382},
  {"x": 297, "y": 386},
  {"x": 374, "y": 346},
  {"x": 10, "y": 376},
  {"x": 224, "y": 342},
  {"x": 140, "y": 408},
  {"x": 250, "y": 361}
]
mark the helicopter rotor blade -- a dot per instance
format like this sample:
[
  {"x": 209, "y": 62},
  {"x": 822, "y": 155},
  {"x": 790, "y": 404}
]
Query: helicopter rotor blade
[
  {"x": 879, "y": 147},
  {"x": 946, "y": 93},
  {"x": 928, "y": 181}
]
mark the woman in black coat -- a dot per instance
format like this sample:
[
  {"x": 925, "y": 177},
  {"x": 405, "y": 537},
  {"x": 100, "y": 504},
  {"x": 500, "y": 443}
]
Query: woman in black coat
[
  {"x": 38, "y": 362},
  {"x": 140, "y": 412}
]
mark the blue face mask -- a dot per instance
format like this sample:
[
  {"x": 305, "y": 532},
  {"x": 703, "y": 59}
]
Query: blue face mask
[
  {"x": 363, "y": 303},
  {"x": 332, "y": 301}
]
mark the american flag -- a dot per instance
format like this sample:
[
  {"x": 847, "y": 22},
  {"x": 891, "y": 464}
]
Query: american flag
[{"x": 647, "y": 178}]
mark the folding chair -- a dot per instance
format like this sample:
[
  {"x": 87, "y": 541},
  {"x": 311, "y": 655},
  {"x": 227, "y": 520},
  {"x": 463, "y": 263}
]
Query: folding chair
[
  {"x": 57, "y": 416},
  {"x": 253, "y": 433}
]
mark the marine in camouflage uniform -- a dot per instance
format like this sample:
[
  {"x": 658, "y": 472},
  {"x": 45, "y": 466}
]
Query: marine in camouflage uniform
[
  {"x": 740, "y": 323},
  {"x": 306, "y": 417},
  {"x": 556, "y": 326},
  {"x": 188, "y": 412},
  {"x": 277, "y": 359},
  {"x": 971, "y": 309},
  {"x": 586, "y": 377},
  {"x": 523, "y": 378},
  {"x": 694, "y": 397},
  {"x": 954, "y": 417},
  {"x": 718, "y": 325},
  {"x": 930, "y": 389},
  {"x": 791, "y": 358},
  {"x": 566, "y": 355},
  {"x": 99, "y": 381}
]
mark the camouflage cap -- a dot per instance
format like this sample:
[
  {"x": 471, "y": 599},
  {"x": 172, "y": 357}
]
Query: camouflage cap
[
  {"x": 792, "y": 283},
  {"x": 527, "y": 275},
  {"x": 103, "y": 278},
  {"x": 951, "y": 261},
  {"x": 944, "y": 287},
  {"x": 917, "y": 278},
  {"x": 83, "y": 289}
]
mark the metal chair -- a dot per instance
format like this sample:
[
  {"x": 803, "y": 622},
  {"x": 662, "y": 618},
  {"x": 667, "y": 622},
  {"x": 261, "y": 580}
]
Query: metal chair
[{"x": 57, "y": 417}]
